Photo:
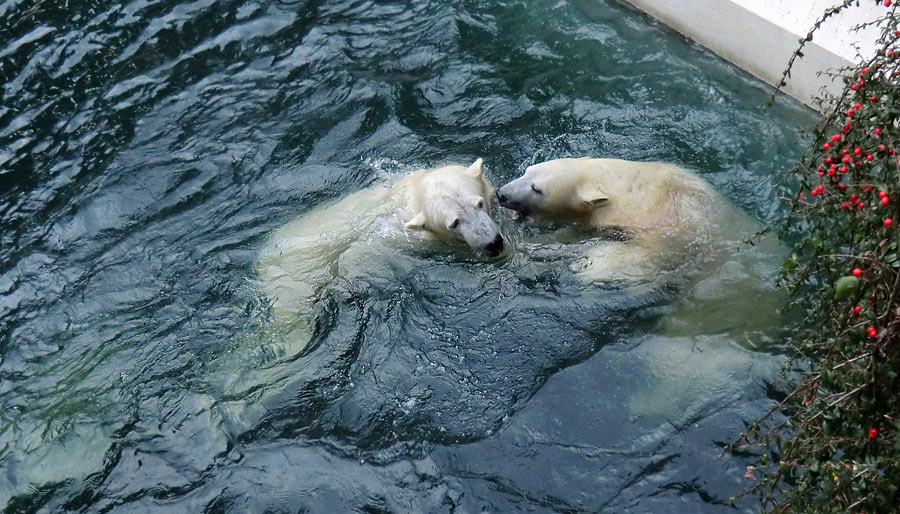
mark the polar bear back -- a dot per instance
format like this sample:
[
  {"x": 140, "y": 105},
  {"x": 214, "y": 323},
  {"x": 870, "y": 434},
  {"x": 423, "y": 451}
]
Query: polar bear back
[
  {"x": 649, "y": 195},
  {"x": 299, "y": 257}
]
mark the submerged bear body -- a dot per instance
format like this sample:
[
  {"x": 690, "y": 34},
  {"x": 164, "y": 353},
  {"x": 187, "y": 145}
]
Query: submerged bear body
[{"x": 299, "y": 259}]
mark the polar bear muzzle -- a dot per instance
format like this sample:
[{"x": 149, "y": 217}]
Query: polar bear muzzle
[
  {"x": 520, "y": 195},
  {"x": 481, "y": 233},
  {"x": 473, "y": 225}
]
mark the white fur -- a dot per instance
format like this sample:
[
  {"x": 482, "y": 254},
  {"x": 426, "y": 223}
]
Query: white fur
[
  {"x": 663, "y": 210},
  {"x": 302, "y": 257}
]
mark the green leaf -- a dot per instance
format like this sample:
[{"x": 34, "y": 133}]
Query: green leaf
[{"x": 845, "y": 286}]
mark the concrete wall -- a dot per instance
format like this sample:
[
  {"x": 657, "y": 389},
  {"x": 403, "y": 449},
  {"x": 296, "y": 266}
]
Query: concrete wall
[{"x": 760, "y": 36}]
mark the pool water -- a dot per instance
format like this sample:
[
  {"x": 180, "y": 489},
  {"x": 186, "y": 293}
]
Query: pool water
[{"x": 147, "y": 148}]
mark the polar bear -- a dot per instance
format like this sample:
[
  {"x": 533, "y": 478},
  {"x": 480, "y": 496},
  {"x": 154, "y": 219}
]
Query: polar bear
[
  {"x": 648, "y": 211},
  {"x": 300, "y": 258},
  {"x": 645, "y": 224}
]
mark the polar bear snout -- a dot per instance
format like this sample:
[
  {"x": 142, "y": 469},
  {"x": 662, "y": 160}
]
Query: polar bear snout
[
  {"x": 481, "y": 234},
  {"x": 494, "y": 248},
  {"x": 515, "y": 196}
]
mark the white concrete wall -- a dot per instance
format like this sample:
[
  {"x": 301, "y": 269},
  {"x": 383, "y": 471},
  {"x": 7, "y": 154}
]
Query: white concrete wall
[{"x": 760, "y": 36}]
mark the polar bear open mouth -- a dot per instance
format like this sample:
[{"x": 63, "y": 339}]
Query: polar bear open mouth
[{"x": 522, "y": 212}]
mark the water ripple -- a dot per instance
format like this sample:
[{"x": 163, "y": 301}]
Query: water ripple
[{"x": 148, "y": 147}]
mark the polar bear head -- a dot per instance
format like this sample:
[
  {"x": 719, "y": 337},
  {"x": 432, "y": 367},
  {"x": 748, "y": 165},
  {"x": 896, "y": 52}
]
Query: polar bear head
[
  {"x": 455, "y": 202},
  {"x": 559, "y": 189}
]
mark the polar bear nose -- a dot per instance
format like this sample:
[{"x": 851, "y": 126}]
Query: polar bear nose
[
  {"x": 501, "y": 197},
  {"x": 495, "y": 247}
]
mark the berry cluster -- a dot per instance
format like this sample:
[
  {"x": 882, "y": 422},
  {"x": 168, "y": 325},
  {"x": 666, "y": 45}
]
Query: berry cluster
[{"x": 849, "y": 152}]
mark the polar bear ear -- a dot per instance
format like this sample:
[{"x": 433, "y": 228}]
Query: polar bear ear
[
  {"x": 417, "y": 223},
  {"x": 475, "y": 169},
  {"x": 592, "y": 195}
]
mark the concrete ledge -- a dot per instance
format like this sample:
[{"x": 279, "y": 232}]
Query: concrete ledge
[{"x": 759, "y": 36}]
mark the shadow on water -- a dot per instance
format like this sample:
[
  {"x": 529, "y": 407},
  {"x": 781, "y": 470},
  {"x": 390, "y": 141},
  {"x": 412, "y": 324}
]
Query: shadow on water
[{"x": 147, "y": 149}]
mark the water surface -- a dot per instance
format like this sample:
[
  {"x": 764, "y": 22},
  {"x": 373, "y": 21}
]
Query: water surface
[{"x": 148, "y": 147}]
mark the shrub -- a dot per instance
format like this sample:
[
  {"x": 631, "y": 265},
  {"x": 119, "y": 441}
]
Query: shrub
[{"x": 832, "y": 444}]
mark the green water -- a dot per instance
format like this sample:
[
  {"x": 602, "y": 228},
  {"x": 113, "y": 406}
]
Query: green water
[{"x": 148, "y": 147}]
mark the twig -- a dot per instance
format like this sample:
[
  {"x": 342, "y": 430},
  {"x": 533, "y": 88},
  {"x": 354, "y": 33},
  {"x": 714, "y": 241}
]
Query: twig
[{"x": 851, "y": 360}]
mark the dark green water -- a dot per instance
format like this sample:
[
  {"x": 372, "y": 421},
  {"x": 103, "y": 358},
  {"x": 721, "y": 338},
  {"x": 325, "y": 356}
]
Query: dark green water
[{"x": 146, "y": 150}]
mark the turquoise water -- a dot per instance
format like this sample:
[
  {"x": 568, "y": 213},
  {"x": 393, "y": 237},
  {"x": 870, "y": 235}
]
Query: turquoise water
[{"x": 146, "y": 150}]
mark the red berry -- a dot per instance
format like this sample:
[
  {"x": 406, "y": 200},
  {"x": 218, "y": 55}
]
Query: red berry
[
  {"x": 836, "y": 137},
  {"x": 864, "y": 71},
  {"x": 887, "y": 3},
  {"x": 814, "y": 192},
  {"x": 861, "y": 205},
  {"x": 821, "y": 173},
  {"x": 856, "y": 272},
  {"x": 882, "y": 194},
  {"x": 854, "y": 87},
  {"x": 862, "y": 83},
  {"x": 850, "y": 112},
  {"x": 873, "y": 433},
  {"x": 857, "y": 151},
  {"x": 857, "y": 309},
  {"x": 842, "y": 187},
  {"x": 853, "y": 197},
  {"x": 888, "y": 222},
  {"x": 843, "y": 169},
  {"x": 826, "y": 146},
  {"x": 831, "y": 172},
  {"x": 829, "y": 160},
  {"x": 877, "y": 132},
  {"x": 846, "y": 158},
  {"x": 844, "y": 205},
  {"x": 885, "y": 201},
  {"x": 881, "y": 148},
  {"x": 873, "y": 98},
  {"x": 869, "y": 157}
]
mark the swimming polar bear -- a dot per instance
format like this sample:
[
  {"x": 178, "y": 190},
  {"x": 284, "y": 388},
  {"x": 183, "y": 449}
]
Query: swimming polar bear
[
  {"x": 656, "y": 226},
  {"x": 300, "y": 258},
  {"x": 652, "y": 223},
  {"x": 650, "y": 211}
]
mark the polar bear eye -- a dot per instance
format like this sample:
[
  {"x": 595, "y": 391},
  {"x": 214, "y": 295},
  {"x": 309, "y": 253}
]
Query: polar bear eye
[
  {"x": 536, "y": 189},
  {"x": 480, "y": 204},
  {"x": 453, "y": 224}
]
